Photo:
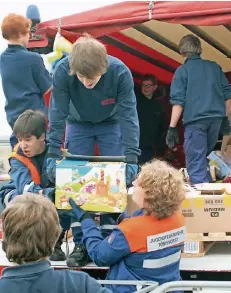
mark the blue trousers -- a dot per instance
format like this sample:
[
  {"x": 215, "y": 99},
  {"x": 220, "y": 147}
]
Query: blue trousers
[
  {"x": 199, "y": 141},
  {"x": 80, "y": 140}
]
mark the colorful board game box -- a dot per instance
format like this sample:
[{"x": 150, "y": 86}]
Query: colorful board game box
[{"x": 95, "y": 186}]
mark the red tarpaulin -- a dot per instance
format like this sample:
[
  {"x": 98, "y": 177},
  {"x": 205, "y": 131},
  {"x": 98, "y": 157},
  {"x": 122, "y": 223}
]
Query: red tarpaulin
[{"x": 113, "y": 18}]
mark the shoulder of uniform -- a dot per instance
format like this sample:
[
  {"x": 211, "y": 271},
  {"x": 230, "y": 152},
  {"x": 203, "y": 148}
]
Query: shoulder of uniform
[
  {"x": 117, "y": 64},
  {"x": 212, "y": 63},
  {"x": 129, "y": 224},
  {"x": 141, "y": 223},
  {"x": 33, "y": 56},
  {"x": 181, "y": 68},
  {"x": 62, "y": 67}
]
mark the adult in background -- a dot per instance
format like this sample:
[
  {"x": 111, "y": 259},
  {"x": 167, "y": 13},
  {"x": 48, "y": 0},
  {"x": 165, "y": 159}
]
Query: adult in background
[
  {"x": 151, "y": 119},
  {"x": 93, "y": 95},
  {"x": 25, "y": 79},
  {"x": 202, "y": 93}
]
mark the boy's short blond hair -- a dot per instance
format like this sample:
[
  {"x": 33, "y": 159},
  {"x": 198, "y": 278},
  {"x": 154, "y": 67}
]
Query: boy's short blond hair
[
  {"x": 88, "y": 57},
  {"x": 30, "y": 228},
  {"x": 164, "y": 189}
]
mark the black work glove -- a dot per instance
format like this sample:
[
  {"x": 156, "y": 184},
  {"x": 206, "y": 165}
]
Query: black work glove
[
  {"x": 225, "y": 126},
  {"x": 172, "y": 137}
]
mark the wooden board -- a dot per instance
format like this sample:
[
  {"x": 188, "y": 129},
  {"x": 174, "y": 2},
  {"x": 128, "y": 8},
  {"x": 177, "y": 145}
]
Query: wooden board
[{"x": 221, "y": 236}]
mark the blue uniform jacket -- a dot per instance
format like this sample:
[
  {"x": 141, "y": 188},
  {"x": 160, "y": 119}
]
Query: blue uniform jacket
[
  {"x": 112, "y": 98},
  {"x": 24, "y": 81},
  {"x": 201, "y": 88},
  {"x": 140, "y": 248},
  {"x": 21, "y": 179},
  {"x": 41, "y": 277}
]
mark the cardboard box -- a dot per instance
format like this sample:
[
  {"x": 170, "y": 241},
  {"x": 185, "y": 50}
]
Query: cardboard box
[
  {"x": 98, "y": 187},
  {"x": 207, "y": 213}
]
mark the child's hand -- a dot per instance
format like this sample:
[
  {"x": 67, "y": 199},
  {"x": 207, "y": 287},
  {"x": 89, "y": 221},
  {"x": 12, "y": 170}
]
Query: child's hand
[{"x": 78, "y": 212}]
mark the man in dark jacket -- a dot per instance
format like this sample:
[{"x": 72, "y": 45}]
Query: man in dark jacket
[{"x": 151, "y": 119}]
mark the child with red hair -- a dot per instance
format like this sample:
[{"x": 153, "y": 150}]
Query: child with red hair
[{"x": 25, "y": 79}]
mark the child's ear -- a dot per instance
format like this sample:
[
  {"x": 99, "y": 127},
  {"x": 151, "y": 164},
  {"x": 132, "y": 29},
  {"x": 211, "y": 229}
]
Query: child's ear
[{"x": 42, "y": 137}]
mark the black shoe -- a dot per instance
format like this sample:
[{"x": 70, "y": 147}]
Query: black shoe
[
  {"x": 79, "y": 257},
  {"x": 58, "y": 254}
]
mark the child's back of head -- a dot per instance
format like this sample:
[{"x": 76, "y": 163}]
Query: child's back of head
[
  {"x": 161, "y": 188},
  {"x": 31, "y": 228}
]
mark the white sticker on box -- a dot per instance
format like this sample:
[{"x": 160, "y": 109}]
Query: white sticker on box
[
  {"x": 192, "y": 247},
  {"x": 63, "y": 175},
  {"x": 167, "y": 239}
]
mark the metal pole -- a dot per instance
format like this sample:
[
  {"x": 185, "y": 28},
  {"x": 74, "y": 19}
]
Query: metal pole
[{"x": 192, "y": 285}]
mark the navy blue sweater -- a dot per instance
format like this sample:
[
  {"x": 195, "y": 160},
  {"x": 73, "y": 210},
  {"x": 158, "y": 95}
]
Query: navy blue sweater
[
  {"x": 24, "y": 81},
  {"x": 112, "y": 98},
  {"x": 201, "y": 88},
  {"x": 40, "y": 277}
]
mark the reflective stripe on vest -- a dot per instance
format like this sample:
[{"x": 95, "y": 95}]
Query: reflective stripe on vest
[
  {"x": 28, "y": 163},
  {"x": 161, "y": 262}
]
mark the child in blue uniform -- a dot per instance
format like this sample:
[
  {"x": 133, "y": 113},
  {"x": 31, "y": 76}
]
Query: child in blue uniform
[
  {"x": 25, "y": 79},
  {"x": 93, "y": 95},
  {"x": 28, "y": 160},
  {"x": 202, "y": 93},
  {"x": 28, "y": 241},
  {"x": 146, "y": 246},
  {"x": 28, "y": 165}
]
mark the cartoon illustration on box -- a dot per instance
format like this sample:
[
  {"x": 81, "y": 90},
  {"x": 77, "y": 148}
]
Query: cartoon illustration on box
[{"x": 99, "y": 187}]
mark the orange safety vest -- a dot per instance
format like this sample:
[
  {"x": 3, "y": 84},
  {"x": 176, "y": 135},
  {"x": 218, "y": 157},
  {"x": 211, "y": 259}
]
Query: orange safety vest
[{"x": 28, "y": 163}]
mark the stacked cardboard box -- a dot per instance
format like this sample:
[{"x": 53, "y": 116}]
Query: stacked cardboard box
[{"x": 207, "y": 208}]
